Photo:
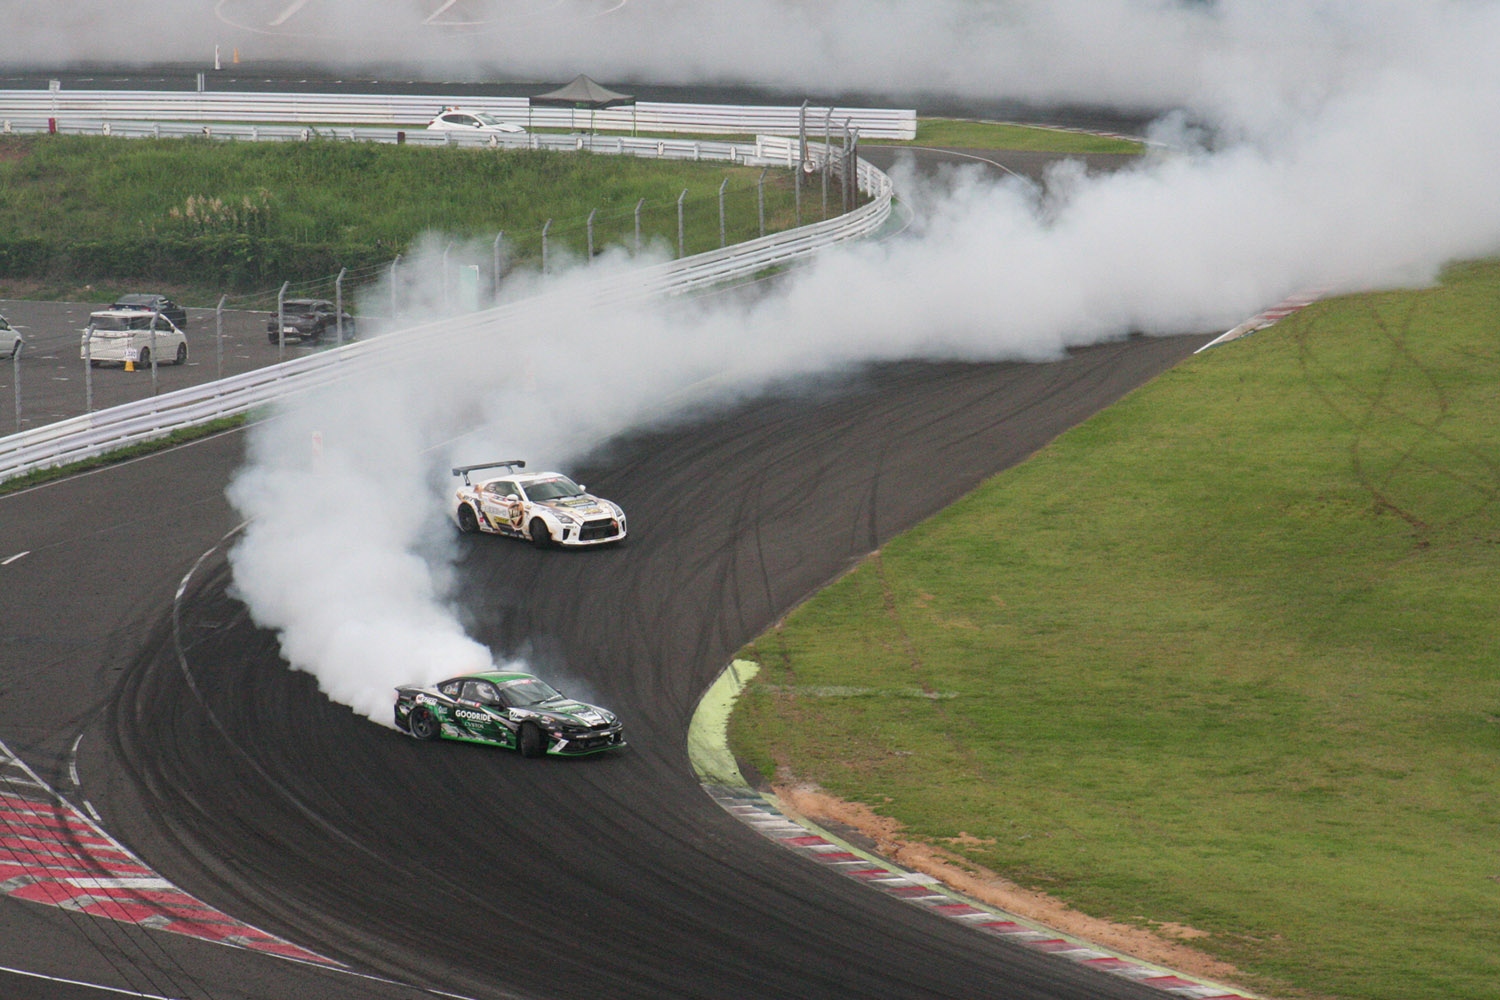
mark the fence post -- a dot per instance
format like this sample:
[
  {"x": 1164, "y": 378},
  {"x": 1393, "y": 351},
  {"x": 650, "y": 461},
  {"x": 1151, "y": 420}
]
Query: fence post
[
  {"x": 88, "y": 368},
  {"x": 545, "y": 226},
  {"x": 394, "y": 263},
  {"x": 638, "y": 224},
  {"x": 801, "y": 155},
  {"x": 15, "y": 374},
  {"x": 591, "y": 234},
  {"x": 844, "y": 167},
  {"x": 495, "y": 251},
  {"x": 827, "y": 160},
  {"x": 760, "y": 200},
  {"x": 338, "y": 308},
  {"x": 153, "y": 352},
  {"x": 681, "y": 237},
  {"x": 281, "y": 321},
  {"x": 722, "y": 239},
  {"x": 219, "y": 337},
  {"x": 446, "y": 296}
]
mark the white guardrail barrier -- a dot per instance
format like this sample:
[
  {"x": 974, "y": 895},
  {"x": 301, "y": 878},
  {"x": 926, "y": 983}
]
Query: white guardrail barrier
[
  {"x": 415, "y": 111},
  {"x": 105, "y": 430}
]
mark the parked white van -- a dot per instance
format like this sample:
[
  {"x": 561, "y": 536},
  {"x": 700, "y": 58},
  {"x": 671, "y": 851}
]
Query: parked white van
[{"x": 138, "y": 335}]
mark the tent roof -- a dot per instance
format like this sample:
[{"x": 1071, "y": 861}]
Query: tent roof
[{"x": 585, "y": 92}]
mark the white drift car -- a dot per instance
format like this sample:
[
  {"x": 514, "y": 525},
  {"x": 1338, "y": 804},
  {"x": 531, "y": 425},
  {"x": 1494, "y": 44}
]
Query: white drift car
[{"x": 546, "y": 507}]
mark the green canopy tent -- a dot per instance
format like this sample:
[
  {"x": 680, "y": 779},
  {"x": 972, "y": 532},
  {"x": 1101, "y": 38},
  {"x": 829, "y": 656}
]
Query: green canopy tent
[{"x": 584, "y": 93}]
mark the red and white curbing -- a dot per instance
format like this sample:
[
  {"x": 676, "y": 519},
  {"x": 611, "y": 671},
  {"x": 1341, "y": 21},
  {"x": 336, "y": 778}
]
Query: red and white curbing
[
  {"x": 1282, "y": 309},
  {"x": 720, "y": 776},
  {"x": 51, "y": 853},
  {"x": 926, "y": 891}
]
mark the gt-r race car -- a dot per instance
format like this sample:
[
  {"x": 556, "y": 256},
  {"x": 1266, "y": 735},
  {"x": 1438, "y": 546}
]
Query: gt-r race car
[
  {"x": 508, "y": 709},
  {"x": 546, "y": 507}
]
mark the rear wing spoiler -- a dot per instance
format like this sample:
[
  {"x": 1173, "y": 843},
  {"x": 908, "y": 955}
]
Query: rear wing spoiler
[{"x": 508, "y": 464}]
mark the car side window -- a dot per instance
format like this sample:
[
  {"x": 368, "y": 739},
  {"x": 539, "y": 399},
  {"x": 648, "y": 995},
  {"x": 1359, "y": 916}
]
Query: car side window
[
  {"x": 450, "y": 689},
  {"x": 506, "y": 489},
  {"x": 482, "y": 692}
]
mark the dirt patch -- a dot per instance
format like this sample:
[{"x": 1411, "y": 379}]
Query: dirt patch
[
  {"x": 1160, "y": 946},
  {"x": 13, "y": 147}
]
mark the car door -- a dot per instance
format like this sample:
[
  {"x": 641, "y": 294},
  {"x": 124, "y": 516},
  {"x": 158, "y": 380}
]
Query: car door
[
  {"x": 477, "y": 709},
  {"x": 505, "y": 513}
]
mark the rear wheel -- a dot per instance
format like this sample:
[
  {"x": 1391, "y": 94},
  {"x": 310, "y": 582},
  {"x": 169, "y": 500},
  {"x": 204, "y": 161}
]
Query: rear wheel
[
  {"x": 423, "y": 724},
  {"x": 532, "y": 742},
  {"x": 145, "y": 361},
  {"x": 467, "y": 522}
]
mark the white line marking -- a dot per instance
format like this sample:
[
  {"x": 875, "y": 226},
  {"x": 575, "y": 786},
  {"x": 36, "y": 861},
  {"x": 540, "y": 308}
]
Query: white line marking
[
  {"x": 11, "y": 559},
  {"x": 73, "y": 764},
  {"x": 122, "y": 882},
  {"x": 282, "y": 18},
  {"x": 79, "y": 982},
  {"x": 435, "y": 14}
]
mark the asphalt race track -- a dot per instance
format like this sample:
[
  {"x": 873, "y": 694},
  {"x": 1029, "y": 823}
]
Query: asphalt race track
[{"x": 468, "y": 870}]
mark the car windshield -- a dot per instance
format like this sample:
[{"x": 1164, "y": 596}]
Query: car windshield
[
  {"x": 124, "y": 323},
  {"x": 520, "y": 694},
  {"x": 485, "y": 119},
  {"x": 552, "y": 489}
]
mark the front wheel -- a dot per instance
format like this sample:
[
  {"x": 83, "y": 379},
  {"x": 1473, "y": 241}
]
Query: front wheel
[
  {"x": 145, "y": 361},
  {"x": 181, "y": 358},
  {"x": 423, "y": 724},
  {"x": 540, "y": 536},
  {"x": 532, "y": 742}
]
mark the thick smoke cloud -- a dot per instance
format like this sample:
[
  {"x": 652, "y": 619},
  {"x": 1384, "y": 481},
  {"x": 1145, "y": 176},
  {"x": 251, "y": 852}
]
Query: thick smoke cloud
[
  {"x": 1361, "y": 154},
  {"x": 1250, "y": 54}
]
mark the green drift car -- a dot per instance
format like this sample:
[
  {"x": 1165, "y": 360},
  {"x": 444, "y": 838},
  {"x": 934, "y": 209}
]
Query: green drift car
[{"x": 507, "y": 709}]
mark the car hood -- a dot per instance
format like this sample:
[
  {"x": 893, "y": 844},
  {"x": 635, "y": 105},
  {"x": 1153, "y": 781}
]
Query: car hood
[
  {"x": 584, "y": 506},
  {"x": 577, "y": 712}
]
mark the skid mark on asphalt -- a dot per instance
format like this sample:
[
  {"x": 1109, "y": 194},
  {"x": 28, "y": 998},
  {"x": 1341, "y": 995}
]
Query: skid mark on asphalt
[{"x": 50, "y": 853}]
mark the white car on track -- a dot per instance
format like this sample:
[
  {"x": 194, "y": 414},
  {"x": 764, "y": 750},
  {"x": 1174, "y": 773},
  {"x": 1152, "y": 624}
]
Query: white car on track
[
  {"x": 10, "y": 339},
  {"x": 546, "y": 507},
  {"x": 134, "y": 335},
  {"x": 478, "y": 122}
]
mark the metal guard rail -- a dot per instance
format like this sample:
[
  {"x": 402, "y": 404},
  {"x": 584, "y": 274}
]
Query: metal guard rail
[
  {"x": 92, "y": 434},
  {"x": 414, "y": 111}
]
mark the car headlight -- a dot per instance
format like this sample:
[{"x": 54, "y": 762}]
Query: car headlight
[{"x": 564, "y": 518}]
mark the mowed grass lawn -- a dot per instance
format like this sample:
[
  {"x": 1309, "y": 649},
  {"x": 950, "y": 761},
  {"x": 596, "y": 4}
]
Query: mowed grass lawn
[{"x": 1225, "y": 655}]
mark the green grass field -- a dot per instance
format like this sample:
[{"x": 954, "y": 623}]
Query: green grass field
[
  {"x": 1224, "y": 655},
  {"x": 215, "y": 216},
  {"x": 964, "y": 134}
]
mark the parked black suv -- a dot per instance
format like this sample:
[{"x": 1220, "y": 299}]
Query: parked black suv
[
  {"x": 156, "y": 303},
  {"x": 308, "y": 320}
]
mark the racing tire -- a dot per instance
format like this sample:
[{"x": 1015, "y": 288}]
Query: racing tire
[
  {"x": 468, "y": 523},
  {"x": 181, "y": 358},
  {"x": 531, "y": 741},
  {"x": 421, "y": 724},
  {"x": 540, "y": 536},
  {"x": 145, "y": 361}
]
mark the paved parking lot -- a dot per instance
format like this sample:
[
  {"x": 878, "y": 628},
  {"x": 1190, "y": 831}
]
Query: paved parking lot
[{"x": 53, "y": 383}]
